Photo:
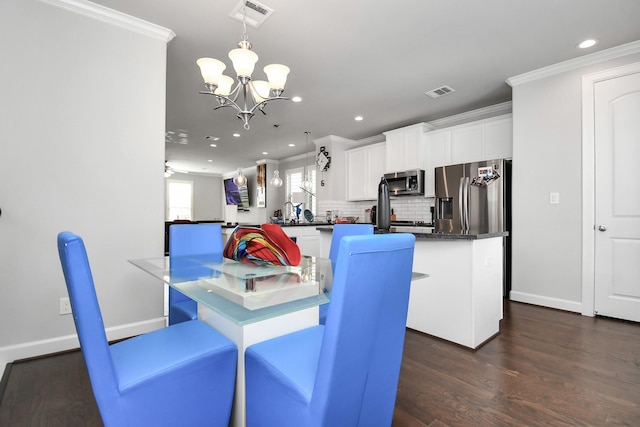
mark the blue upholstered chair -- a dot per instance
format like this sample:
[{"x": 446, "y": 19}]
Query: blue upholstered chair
[
  {"x": 340, "y": 231},
  {"x": 344, "y": 373},
  {"x": 182, "y": 375},
  {"x": 188, "y": 240}
]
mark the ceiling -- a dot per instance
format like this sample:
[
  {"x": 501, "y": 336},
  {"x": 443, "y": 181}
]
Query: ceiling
[{"x": 370, "y": 58}]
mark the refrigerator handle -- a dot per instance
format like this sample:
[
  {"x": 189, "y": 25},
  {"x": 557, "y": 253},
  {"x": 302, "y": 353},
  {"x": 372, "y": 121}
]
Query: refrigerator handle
[
  {"x": 466, "y": 203},
  {"x": 461, "y": 204}
]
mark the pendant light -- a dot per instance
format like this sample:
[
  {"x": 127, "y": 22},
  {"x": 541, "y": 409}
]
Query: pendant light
[
  {"x": 276, "y": 181},
  {"x": 306, "y": 184},
  {"x": 240, "y": 179}
]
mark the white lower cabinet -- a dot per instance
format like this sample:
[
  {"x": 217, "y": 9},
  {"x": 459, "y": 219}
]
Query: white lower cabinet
[
  {"x": 307, "y": 238},
  {"x": 461, "y": 300}
]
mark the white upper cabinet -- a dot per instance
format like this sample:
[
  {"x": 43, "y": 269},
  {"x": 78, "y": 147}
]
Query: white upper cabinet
[
  {"x": 365, "y": 166},
  {"x": 466, "y": 143},
  {"x": 406, "y": 148},
  {"x": 498, "y": 138},
  {"x": 438, "y": 154},
  {"x": 486, "y": 139}
]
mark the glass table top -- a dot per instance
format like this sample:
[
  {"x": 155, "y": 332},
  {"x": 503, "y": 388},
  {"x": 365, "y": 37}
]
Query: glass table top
[{"x": 245, "y": 293}]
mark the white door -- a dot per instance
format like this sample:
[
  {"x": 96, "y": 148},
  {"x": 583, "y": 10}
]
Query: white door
[{"x": 617, "y": 197}]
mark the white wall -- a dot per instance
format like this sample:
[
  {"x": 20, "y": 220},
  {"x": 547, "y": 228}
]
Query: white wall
[
  {"x": 547, "y": 157},
  {"x": 83, "y": 107}
]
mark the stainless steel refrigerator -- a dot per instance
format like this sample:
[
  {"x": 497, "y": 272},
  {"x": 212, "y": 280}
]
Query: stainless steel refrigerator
[{"x": 475, "y": 198}]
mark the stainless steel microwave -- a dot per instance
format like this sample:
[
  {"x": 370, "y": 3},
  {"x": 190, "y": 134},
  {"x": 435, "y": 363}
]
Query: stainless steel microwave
[{"x": 407, "y": 183}]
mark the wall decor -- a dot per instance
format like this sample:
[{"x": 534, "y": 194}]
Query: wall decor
[
  {"x": 323, "y": 162},
  {"x": 261, "y": 193}
]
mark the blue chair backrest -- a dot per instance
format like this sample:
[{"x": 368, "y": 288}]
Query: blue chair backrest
[
  {"x": 364, "y": 334},
  {"x": 88, "y": 320},
  {"x": 195, "y": 239},
  {"x": 342, "y": 230}
]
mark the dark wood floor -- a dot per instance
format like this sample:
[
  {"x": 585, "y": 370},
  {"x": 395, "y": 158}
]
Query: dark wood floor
[{"x": 546, "y": 368}]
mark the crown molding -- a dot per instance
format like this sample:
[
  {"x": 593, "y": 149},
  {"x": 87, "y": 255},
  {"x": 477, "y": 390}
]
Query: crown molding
[
  {"x": 113, "y": 17},
  {"x": 371, "y": 140},
  {"x": 572, "y": 64},
  {"x": 470, "y": 116}
]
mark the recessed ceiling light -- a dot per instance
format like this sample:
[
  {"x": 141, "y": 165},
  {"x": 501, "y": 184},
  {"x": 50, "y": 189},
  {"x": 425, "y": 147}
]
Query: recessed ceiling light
[
  {"x": 358, "y": 118},
  {"x": 213, "y": 138},
  {"x": 587, "y": 43},
  {"x": 236, "y": 135},
  {"x": 264, "y": 153},
  {"x": 210, "y": 160},
  {"x": 213, "y": 145},
  {"x": 292, "y": 145},
  {"x": 296, "y": 99}
]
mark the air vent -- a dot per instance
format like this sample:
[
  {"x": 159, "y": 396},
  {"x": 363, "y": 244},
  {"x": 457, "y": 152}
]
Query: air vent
[
  {"x": 256, "y": 12},
  {"x": 441, "y": 91}
]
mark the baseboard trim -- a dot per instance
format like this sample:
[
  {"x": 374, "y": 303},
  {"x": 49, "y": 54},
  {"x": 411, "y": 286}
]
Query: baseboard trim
[
  {"x": 11, "y": 353},
  {"x": 557, "y": 303},
  {"x": 5, "y": 379}
]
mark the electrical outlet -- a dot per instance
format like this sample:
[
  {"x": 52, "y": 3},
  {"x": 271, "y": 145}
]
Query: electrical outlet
[{"x": 65, "y": 306}]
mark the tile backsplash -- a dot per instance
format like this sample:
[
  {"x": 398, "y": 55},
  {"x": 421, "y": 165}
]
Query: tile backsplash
[{"x": 407, "y": 208}]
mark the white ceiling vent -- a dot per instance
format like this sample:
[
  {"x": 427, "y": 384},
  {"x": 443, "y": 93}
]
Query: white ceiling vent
[
  {"x": 256, "y": 13},
  {"x": 441, "y": 91}
]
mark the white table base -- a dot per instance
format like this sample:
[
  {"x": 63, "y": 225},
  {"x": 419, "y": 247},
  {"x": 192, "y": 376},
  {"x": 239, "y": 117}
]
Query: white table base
[{"x": 246, "y": 335}]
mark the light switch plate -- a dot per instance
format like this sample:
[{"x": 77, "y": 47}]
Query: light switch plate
[{"x": 554, "y": 198}]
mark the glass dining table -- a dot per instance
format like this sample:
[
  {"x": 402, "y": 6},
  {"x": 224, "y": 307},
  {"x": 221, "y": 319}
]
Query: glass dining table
[
  {"x": 241, "y": 292},
  {"x": 247, "y": 303}
]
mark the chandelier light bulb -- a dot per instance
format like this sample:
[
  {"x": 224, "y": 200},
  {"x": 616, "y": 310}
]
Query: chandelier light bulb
[
  {"x": 244, "y": 61},
  {"x": 211, "y": 69},
  {"x": 225, "y": 83},
  {"x": 261, "y": 90},
  {"x": 277, "y": 75}
]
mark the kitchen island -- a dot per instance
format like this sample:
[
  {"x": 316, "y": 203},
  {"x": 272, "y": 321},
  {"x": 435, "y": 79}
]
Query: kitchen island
[{"x": 461, "y": 301}]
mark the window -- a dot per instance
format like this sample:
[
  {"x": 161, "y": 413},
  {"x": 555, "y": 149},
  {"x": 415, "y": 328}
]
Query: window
[
  {"x": 179, "y": 200},
  {"x": 295, "y": 194}
]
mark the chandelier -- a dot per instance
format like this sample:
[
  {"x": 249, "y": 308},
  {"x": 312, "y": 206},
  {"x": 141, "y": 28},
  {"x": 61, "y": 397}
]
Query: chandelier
[{"x": 248, "y": 96}]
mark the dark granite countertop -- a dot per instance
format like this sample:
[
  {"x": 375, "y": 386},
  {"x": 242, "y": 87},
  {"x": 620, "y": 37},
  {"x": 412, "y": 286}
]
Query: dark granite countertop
[
  {"x": 302, "y": 224},
  {"x": 429, "y": 233}
]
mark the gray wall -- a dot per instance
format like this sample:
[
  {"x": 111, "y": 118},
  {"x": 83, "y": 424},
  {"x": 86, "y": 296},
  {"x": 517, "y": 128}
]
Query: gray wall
[
  {"x": 547, "y": 157},
  {"x": 83, "y": 107},
  {"x": 207, "y": 195}
]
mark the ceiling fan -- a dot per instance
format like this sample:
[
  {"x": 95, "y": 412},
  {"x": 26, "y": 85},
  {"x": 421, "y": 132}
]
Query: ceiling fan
[{"x": 168, "y": 170}]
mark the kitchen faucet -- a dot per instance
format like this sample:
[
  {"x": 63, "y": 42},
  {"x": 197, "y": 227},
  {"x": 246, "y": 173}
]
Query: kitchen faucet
[{"x": 284, "y": 211}]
